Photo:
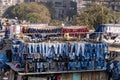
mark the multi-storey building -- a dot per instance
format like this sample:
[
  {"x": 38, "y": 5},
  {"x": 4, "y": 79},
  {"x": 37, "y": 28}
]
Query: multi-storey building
[{"x": 64, "y": 8}]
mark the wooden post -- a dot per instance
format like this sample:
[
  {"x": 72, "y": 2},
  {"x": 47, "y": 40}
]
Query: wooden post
[
  {"x": 11, "y": 75},
  {"x": 19, "y": 77},
  {"x": 87, "y": 36},
  {"x": 26, "y": 62}
]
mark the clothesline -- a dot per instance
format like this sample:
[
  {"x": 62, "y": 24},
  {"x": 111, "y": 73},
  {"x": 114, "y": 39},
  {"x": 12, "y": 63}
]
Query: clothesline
[{"x": 61, "y": 33}]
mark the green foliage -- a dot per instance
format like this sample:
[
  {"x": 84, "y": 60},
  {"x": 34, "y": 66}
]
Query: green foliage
[
  {"x": 37, "y": 18},
  {"x": 55, "y": 22},
  {"x": 20, "y": 11},
  {"x": 116, "y": 17},
  {"x": 33, "y": 12},
  {"x": 93, "y": 16},
  {"x": 33, "y": 17}
]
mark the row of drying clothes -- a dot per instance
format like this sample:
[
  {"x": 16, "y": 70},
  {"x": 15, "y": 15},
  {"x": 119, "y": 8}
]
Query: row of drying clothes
[
  {"x": 54, "y": 30},
  {"x": 57, "y": 31},
  {"x": 18, "y": 49},
  {"x": 66, "y": 66},
  {"x": 85, "y": 56},
  {"x": 43, "y": 31},
  {"x": 73, "y": 51}
]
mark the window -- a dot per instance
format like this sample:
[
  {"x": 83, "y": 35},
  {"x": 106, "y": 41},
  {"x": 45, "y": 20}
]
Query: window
[{"x": 58, "y": 4}]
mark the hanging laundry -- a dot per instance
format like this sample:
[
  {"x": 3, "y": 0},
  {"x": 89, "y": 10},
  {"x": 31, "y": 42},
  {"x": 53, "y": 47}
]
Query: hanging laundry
[
  {"x": 44, "y": 30},
  {"x": 73, "y": 51},
  {"x": 84, "y": 56}
]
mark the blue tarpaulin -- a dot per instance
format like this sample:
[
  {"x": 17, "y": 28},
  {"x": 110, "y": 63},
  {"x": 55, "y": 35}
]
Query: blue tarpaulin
[
  {"x": 3, "y": 60},
  {"x": 96, "y": 33}
]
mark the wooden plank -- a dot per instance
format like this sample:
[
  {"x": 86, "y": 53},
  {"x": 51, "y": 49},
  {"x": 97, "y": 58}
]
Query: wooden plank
[
  {"x": 86, "y": 76},
  {"x": 103, "y": 76},
  {"x": 36, "y": 78},
  {"x": 67, "y": 76},
  {"x": 90, "y": 74},
  {"x": 19, "y": 77},
  {"x": 11, "y": 75},
  {"x": 59, "y": 77},
  {"x": 95, "y": 76},
  {"x": 76, "y": 76}
]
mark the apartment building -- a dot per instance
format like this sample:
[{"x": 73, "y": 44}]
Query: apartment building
[
  {"x": 61, "y": 8},
  {"x": 65, "y": 8}
]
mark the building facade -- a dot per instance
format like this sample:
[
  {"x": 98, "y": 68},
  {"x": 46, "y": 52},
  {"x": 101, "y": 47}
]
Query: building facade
[{"x": 65, "y": 8}]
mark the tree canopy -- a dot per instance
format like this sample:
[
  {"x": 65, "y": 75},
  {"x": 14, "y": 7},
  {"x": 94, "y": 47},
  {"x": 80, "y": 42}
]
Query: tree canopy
[
  {"x": 55, "y": 22},
  {"x": 44, "y": 13},
  {"x": 94, "y": 15},
  {"x": 33, "y": 12}
]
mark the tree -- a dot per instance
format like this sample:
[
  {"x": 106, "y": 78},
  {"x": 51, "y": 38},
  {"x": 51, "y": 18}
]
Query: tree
[
  {"x": 21, "y": 10},
  {"x": 93, "y": 16},
  {"x": 116, "y": 17},
  {"x": 55, "y": 22},
  {"x": 33, "y": 12},
  {"x": 37, "y": 18}
]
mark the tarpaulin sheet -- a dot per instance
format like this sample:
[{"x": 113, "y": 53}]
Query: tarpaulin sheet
[{"x": 3, "y": 59}]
